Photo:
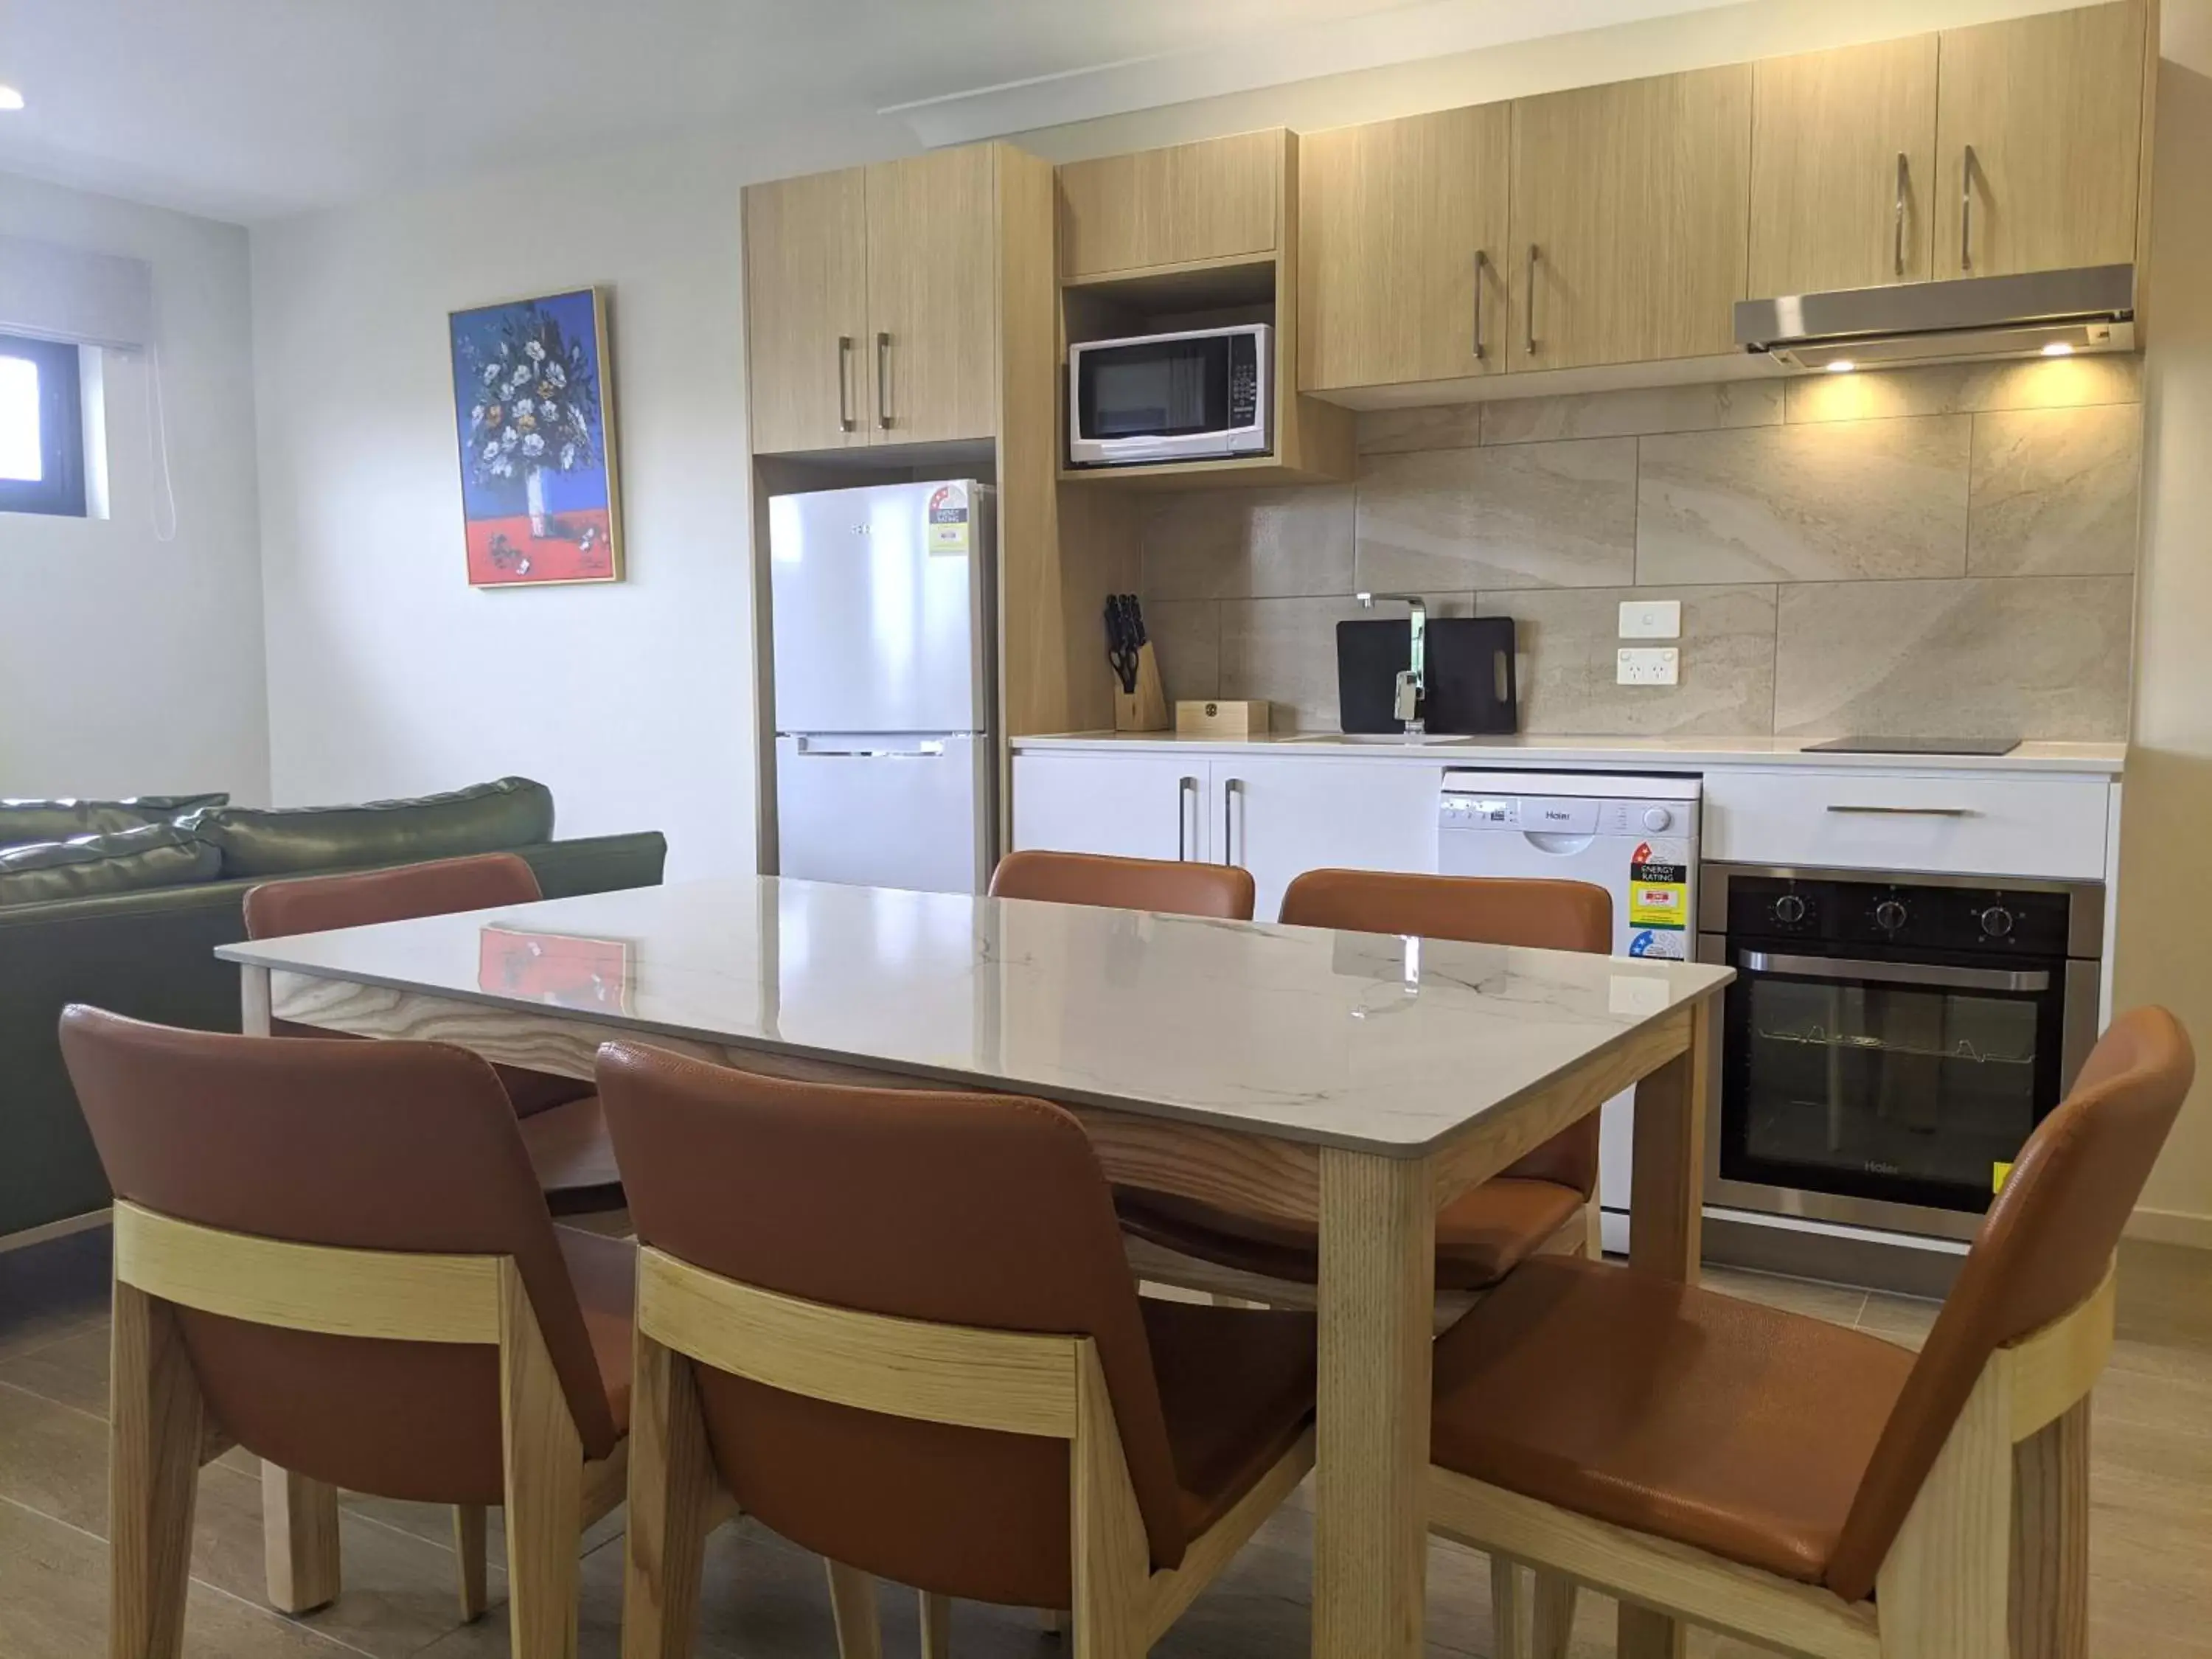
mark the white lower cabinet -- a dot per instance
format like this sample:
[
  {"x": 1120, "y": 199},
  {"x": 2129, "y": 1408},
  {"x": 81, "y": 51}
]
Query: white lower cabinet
[{"x": 1276, "y": 817}]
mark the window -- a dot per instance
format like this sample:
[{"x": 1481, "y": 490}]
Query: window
[{"x": 41, "y": 428}]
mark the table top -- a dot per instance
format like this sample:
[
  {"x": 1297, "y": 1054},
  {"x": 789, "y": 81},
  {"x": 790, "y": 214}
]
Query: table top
[{"x": 1368, "y": 1041}]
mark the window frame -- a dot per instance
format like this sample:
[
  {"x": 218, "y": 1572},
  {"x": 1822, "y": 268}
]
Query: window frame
[{"x": 61, "y": 492}]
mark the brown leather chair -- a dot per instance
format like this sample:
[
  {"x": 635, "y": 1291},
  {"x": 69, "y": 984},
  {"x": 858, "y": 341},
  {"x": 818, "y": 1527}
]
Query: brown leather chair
[
  {"x": 1490, "y": 1229},
  {"x": 1766, "y": 1473},
  {"x": 896, "y": 1326},
  {"x": 1174, "y": 886},
  {"x": 333, "y": 1254},
  {"x": 562, "y": 1127}
]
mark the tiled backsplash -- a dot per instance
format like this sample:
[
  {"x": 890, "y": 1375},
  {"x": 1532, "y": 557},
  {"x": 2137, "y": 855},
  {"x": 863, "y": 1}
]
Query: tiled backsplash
[{"x": 1944, "y": 551}]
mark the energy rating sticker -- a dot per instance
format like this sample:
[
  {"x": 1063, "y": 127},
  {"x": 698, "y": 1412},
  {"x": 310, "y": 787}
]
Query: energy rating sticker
[
  {"x": 1998, "y": 1172},
  {"x": 1659, "y": 886},
  {"x": 948, "y": 521}
]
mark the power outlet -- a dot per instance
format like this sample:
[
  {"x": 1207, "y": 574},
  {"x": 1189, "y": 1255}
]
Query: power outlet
[
  {"x": 1651, "y": 619},
  {"x": 1648, "y": 665}
]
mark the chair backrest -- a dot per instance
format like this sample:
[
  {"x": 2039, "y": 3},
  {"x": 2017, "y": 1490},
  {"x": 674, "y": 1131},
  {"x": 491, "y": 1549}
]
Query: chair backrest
[
  {"x": 1173, "y": 886},
  {"x": 2043, "y": 1249},
  {"x": 985, "y": 1212},
  {"x": 383, "y": 1146},
  {"x": 1543, "y": 916}
]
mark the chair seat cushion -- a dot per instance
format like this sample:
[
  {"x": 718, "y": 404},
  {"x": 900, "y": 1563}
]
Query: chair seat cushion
[
  {"x": 1672, "y": 1411},
  {"x": 1236, "y": 1389},
  {"x": 573, "y": 1157},
  {"x": 604, "y": 1272},
  {"x": 1482, "y": 1235}
]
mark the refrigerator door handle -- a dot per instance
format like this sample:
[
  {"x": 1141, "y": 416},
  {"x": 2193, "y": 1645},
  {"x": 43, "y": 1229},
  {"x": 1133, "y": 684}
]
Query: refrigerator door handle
[{"x": 873, "y": 748}]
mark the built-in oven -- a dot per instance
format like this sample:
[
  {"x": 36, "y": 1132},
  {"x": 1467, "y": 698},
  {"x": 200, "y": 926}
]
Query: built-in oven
[
  {"x": 1203, "y": 393},
  {"x": 1888, "y": 1043}
]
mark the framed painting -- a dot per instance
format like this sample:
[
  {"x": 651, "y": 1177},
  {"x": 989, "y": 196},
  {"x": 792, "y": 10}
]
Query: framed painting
[{"x": 541, "y": 494}]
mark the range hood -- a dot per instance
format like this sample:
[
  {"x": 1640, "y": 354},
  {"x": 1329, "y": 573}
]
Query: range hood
[{"x": 2048, "y": 313}]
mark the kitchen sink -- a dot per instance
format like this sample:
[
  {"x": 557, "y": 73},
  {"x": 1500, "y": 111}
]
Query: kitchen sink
[{"x": 1392, "y": 739}]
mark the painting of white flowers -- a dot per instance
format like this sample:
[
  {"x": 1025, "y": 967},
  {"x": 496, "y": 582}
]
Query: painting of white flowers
[{"x": 540, "y": 496}]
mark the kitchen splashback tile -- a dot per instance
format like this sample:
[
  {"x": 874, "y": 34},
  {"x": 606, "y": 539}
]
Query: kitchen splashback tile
[
  {"x": 1869, "y": 498},
  {"x": 2036, "y": 657},
  {"x": 2055, "y": 492},
  {"x": 1249, "y": 543},
  {"x": 1186, "y": 635},
  {"x": 1965, "y": 388},
  {"x": 1567, "y": 639},
  {"x": 1628, "y": 414},
  {"x": 1445, "y": 426},
  {"x": 1538, "y": 515}
]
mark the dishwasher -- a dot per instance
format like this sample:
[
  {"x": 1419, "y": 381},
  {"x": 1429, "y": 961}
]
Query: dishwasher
[{"x": 1636, "y": 836}]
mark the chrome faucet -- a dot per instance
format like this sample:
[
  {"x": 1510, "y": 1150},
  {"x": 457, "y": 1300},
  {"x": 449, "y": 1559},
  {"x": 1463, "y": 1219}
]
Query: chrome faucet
[{"x": 1413, "y": 678}]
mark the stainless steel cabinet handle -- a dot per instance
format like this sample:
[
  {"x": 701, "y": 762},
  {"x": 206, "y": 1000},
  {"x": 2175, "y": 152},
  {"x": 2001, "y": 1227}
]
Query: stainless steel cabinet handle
[
  {"x": 844, "y": 382},
  {"x": 1966, "y": 210},
  {"x": 1909, "y": 811},
  {"x": 1481, "y": 271},
  {"x": 1935, "y": 976},
  {"x": 1185, "y": 790},
  {"x": 1535, "y": 254},
  {"x": 1904, "y": 166},
  {"x": 884, "y": 381},
  {"x": 1229, "y": 793}
]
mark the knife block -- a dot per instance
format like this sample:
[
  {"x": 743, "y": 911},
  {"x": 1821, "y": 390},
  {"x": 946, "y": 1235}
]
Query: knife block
[{"x": 1145, "y": 709}]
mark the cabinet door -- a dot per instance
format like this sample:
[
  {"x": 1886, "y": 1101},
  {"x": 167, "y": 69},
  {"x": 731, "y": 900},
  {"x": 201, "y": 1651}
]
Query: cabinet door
[
  {"x": 805, "y": 292},
  {"x": 1279, "y": 818},
  {"x": 2052, "y": 107},
  {"x": 1843, "y": 182},
  {"x": 1136, "y": 806},
  {"x": 932, "y": 347},
  {"x": 1212, "y": 200},
  {"x": 1635, "y": 200},
  {"x": 1401, "y": 227}
]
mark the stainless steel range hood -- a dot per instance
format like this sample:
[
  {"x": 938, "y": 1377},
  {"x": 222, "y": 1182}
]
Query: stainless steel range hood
[{"x": 2048, "y": 313}]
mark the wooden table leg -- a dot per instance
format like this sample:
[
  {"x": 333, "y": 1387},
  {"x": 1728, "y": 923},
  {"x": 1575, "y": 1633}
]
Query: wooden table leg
[
  {"x": 1371, "y": 1521},
  {"x": 1666, "y": 1234}
]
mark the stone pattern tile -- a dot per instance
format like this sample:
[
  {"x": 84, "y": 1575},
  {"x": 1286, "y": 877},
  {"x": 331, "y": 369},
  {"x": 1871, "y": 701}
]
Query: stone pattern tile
[
  {"x": 2056, "y": 492},
  {"x": 1445, "y": 426},
  {"x": 1247, "y": 544},
  {"x": 1627, "y": 413},
  {"x": 1966, "y": 388},
  {"x": 1186, "y": 636},
  {"x": 1540, "y": 515},
  {"x": 1285, "y": 651}
]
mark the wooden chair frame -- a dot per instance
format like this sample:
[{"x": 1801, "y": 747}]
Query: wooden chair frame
[
  {"x": 159, "y": 1434},
  {"x": 1992, "y": 1559},
  {"x": 1011, "y": 1382}
]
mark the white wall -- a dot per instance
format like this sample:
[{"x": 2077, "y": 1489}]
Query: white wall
[{"x": 128, "y": 665}]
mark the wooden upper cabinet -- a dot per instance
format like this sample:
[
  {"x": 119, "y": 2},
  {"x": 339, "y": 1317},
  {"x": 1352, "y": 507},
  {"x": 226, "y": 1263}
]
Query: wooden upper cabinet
[
  {"x": 1402, "y": 231},
  {"x": 2052, "y": 107},
  {"x": 1843, "y": 177},
  {"x": 1188, "y": 203},
  {"x": 932, "y": 350},
  {"x": 805, "y": 291},
  {"x": 1634, "y": 198}
]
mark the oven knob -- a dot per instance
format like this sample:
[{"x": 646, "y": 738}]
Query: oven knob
[
  {"x": 1789, "y": 910},
  {"x": 1657, "y": 817},
  {"x": 1996, "y": 921},
  {"x": 1889, "y": 915}
]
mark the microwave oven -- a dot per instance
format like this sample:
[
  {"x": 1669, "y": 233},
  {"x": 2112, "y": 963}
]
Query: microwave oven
[{"x": 1204, "y": 394}]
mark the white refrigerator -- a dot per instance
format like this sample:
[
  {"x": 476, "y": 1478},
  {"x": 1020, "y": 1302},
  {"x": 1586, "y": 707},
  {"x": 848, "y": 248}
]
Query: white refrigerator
[{"x": 882, "y": 624}]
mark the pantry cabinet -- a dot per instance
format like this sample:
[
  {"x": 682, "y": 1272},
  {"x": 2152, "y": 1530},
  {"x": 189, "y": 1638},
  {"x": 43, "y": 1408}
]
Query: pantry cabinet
[
  {"x": 1403, "y": 231},
  {"x": 1843, "y": 168},
  {"x": 1631, "y": 220},
  {"x": 2039, "y": 141}
]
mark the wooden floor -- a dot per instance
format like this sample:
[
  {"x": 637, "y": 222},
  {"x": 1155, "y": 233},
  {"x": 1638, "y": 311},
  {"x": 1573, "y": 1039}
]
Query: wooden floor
[{"x": 2151, "y": 1565}]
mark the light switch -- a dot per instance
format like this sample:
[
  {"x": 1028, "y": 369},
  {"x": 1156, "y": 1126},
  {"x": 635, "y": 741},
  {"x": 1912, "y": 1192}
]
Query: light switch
[{"x": 1651, "y": 619}]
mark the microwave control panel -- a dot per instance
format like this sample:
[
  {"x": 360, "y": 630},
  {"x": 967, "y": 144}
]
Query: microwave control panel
[{"x": 1243, "y": 382}]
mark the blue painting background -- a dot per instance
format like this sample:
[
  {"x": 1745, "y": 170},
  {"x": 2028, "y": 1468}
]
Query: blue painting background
[{"x": 475, "y": 340}]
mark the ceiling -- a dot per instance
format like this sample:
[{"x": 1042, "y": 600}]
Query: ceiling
[{"x": 248, "y": 109}]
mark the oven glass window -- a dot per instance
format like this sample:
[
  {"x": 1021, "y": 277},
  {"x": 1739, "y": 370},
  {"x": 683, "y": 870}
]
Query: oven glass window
[
  {"x": 1891, "y": 1084},
  {"x": 1161, "y": 390}
]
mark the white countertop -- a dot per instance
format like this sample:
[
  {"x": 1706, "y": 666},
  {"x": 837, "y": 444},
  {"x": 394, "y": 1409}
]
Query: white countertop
[
  {"x": 1359, "y": 1040},
  {"x": 1603, "y": 753}
]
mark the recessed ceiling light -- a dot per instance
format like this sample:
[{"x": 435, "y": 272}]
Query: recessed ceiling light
[
  {"x": 9, "y": 98},
  {"x": 1841, "y": 366}
]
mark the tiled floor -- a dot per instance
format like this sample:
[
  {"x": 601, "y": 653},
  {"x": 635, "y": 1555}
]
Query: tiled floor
[{"x": 2151, "y": 1562}]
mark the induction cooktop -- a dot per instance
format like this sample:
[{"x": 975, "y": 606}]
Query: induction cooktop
[{"x": 1914, "y": 746}]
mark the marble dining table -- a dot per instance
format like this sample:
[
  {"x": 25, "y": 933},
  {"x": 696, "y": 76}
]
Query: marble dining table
[{"x": 1360, "y": 1080}]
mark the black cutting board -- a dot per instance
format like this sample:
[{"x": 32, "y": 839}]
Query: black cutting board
[{"x": 1472, "y": 685}]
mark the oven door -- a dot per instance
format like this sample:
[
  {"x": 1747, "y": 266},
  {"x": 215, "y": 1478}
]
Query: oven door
[{"x": 1883, "y": 1093}]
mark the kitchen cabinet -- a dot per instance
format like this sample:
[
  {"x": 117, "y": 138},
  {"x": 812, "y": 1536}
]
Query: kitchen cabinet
[
  {"x": 1843, "y": 168},
  {"x": 806, "y": 310},
  {"x": 1631, "y": 216},
  {"x": 1182, "y": 205},
  {"x": 1141, "y": 805},
  {"x": 2039, "y": 141},
  {"x": 872, "y": 304},
  {"x": 1402, "y": 229}
]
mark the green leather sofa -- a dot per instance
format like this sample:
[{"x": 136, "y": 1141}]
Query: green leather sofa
[{"x": 129, "y": 921}]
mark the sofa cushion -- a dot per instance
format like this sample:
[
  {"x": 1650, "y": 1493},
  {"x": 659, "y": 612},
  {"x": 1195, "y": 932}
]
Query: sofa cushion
[
  {"x": 485, "y": 817},
  {"x": 23, "y": 822},
  {"x": 151, "y": 855}
]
